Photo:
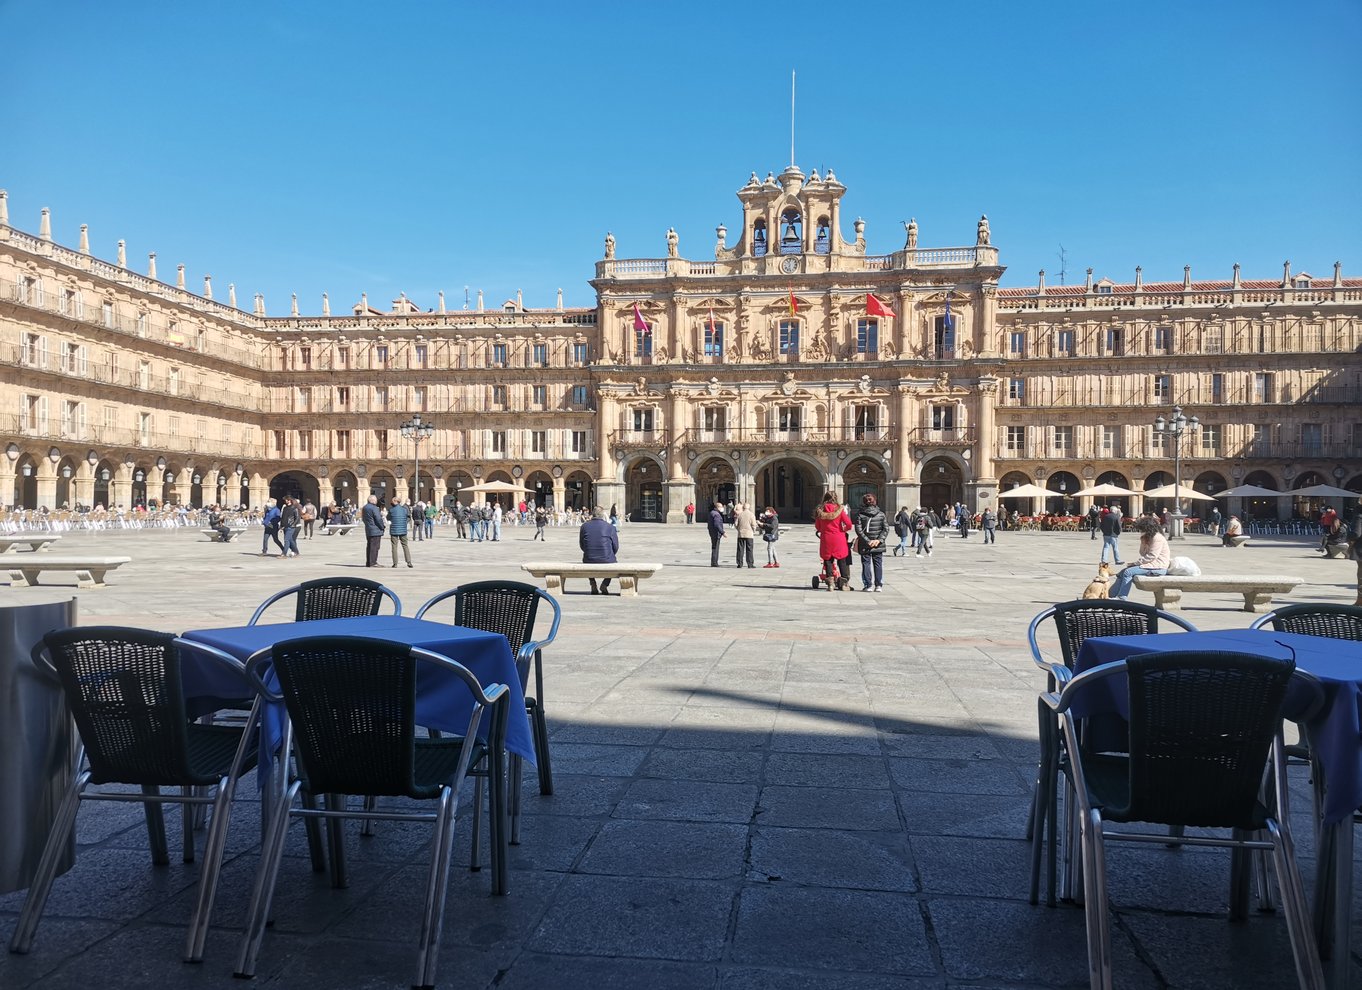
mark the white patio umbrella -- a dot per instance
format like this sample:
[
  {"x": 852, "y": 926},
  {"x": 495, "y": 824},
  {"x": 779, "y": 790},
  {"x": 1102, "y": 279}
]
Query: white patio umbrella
[
  {"x": 1027, "y": 490},
  {"x": 496, "y": 488},
  {"x": 1324, "y": 491},
  {"x": 1249, "y": 491},
  {"x": 1103, "y": 491},
  {"x": 1182, "y": 492}
]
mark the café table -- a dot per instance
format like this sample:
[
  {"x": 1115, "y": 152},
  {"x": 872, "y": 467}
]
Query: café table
[
  {"x": 1334, "y": 733},
  {"x": 442, "y": 703}
]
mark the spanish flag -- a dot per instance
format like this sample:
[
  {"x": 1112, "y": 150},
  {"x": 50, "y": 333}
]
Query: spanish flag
[
  {"x": 794, "y": 303},
  {"x": 873, "y": 307}
]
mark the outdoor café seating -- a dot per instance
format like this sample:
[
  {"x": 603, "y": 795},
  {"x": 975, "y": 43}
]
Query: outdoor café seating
[
  {"x": 352, "y": 717},
  {"x": 1202, "y": 728},
  {"x": 332, "y": 598},
  {"x": 125, "y": 691}
]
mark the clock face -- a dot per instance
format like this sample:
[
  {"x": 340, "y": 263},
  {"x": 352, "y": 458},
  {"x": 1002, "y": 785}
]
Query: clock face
[{"x": 789, "y": 265}]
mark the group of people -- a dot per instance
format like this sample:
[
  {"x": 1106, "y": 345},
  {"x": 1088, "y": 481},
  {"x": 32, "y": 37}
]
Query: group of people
[
  {"x": 747, "y": 526},
  {"x": 398, "y": 523}
]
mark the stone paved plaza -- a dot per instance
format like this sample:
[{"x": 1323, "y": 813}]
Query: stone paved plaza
[{"x": 758, "y": 787}]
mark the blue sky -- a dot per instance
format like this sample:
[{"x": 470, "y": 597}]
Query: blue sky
[{"x": 384, "y": 148}]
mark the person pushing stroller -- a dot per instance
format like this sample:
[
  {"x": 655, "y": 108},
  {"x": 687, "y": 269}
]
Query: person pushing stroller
[{"x": 832, "y": 524}]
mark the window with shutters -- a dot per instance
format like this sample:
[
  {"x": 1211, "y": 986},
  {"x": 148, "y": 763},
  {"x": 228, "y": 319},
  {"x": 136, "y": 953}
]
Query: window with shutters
[
  {"x": 418, "y": 398},
  {"x": 499, "y": 396},
  {"x": 499, "y": 352},
  {"x": 539, "y": 442},
  {"x": 579, "y": 395},
  {"x": 539, "y": 355},
  {"x": 539, "y": 396},
  {"x": 422, "y": 356},
  {"x": 579, "y": 353},
  {"x": 1016, "y": 438},
  {"x": 867, "y": 336},
  {"x": 789, "y": 337},
  {"x": 106, "y": 314},
  {"x": 579, "y": 442},
  {"x": 1064, "y": 439},
  {"x": 498, "y": 441}
]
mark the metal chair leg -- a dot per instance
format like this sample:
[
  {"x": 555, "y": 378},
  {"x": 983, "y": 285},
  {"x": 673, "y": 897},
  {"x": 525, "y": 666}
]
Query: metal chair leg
[
  {"x": 335, "y": 842},
  {"x": 1309, "y": 971},
  {"x": 540, "y": 725},
  {"x": 316, "y": 850},
  {"x": 156, "y": 828},
  {"x": 475, "y": 859},
  {"x": 437, "y": 886},
  {"x": 517, "y": 766},
  {"x": 213, "y": 848},
  {"x": 187, "y": 825},
  {"x": 22, "y": 939},
  {"x": 262, "y": 895}
]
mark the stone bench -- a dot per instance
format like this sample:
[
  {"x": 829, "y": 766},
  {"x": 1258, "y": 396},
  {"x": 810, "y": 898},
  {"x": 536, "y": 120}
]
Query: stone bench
[
  {"x": 1257, "y": 590},
  {"x": 556, "y": 573},
  {"x": 1336, "y": 551},
  {"x": 215, "y": 537},
  {"x": 34, "y": 541},
  {"x": 25, "y": 568},
  {"x": 338, "y": 529}
]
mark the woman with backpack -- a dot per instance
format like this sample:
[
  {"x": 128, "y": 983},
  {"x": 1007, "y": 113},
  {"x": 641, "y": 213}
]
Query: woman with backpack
[{"x": 903, "y": 526}]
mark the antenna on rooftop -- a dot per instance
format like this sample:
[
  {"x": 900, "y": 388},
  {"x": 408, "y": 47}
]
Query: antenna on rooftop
[
  {"x": 1063, "y": 264},
  {"x": 792, "y": 115},
  {"x": 465, "y": 297}
]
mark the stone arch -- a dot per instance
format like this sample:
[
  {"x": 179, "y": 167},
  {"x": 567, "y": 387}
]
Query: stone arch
[
  {"x": 579, "y": 490},
  {"x": 865, "y": 474},
  {"x": 26, "y": 482},
  {"x": 138, "y": 493},
  {"x": 942, "y": 477},
  {"x": 345, "y": 488},
  {"x": 1209, "y": 482},
  {"x": 457, "y": 484},
  {"x": 499, "y": 476},
  {"x": 382, "y": 484},
  {"x": 716, "y": 480},
  {"x": 68, "y": 469},
  {"x": 541, "y": 488},
  {"x": 792, "y": 483},
  {"x": 1063, "y": 484},
  {"x": 295, "y": 484},
  {"x": 105, "y": 473},
  {"x": 644, "y": 495}
]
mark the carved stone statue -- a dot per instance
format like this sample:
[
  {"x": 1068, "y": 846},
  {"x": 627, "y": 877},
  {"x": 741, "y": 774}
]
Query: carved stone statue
[
  {"x": 911, "y": 228},
  {"x": 887, "y": 349},
  {"x": 609, "y": 246},
  {"x": 983, "y": 231},
  {"x": 943, "y": 381},
  {"x": 671, "y": 242}
]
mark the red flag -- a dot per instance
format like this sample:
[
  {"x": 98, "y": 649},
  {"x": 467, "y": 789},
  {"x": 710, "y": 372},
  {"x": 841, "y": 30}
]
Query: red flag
[
  {"x": 711, "y": 320},
  {"x": 873, "y": 307},
  {"x": 794, "y": 303},
  {"x": 640, "y": 323}
]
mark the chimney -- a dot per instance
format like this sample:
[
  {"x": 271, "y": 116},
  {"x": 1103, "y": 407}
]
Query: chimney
[
  {"x": 122, "y": 254},
  {"x": 293, "y": 307},
  {"x": 208, "y": 287},
  {"x": 85, "y": 238},
  {"x": 179, "y": 276},
  {"x": 231, "y": 294},
  {"x": 45, "y": 225},
  {"x": 151, "y": 266},
  {"x": 442, "y": 301}
]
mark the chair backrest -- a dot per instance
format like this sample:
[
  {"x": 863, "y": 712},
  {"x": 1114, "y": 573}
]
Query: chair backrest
[
  {"x": 1081, "y": 619},
  {"x": 352, "y": 704},
  {"x": 506, "y": 607},
  {"x": 333, "y": 598},
  {"x": 1316, "y": 619},
  {"x": 124, "y": 690},
  {"x": 1201, "y": 725}
]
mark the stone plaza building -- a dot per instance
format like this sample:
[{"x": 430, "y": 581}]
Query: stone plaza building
[{"x": 791, "y": 362}]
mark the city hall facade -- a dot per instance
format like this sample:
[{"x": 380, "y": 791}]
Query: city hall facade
[{"x": 789, "y": 361}]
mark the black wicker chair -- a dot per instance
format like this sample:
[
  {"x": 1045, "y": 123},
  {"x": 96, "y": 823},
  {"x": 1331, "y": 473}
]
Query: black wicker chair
[
  {"x": 1202, "y": 729},
  {"x": 1073, "y": 622},
  {"x": 351, "y": 705},
  {"x": 124, "y": 689},
  {"x": 510, "y": 608},
  {"x": 1315, "y": 619},
  {"x": 333, "y": 598}
]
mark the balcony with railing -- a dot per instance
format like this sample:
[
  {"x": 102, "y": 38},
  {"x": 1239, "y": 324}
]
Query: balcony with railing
[
  {"x": 53, "y": 430},
  {"x": 626, "y": 269},
  {"x": 754, "y": 436},
  {"x": 956, "y": 436}
]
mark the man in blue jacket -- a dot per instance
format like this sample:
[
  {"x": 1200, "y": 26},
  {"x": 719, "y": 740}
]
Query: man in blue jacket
[
  {"x": 599, "y": 542},
  {"x": 399, "y": 521},
  {"x": 271, "y": 521},
  {"x": 372, "y": 517}
]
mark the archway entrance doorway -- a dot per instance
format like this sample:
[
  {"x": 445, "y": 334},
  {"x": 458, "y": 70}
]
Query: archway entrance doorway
[
  {"x": 643, "y": 498},
  {"x": 863, "y": 477},
  {"x": 943, "y": 483},
  {"x": 578, "y": 491},
  {"x": 293, "y": 484},
  {"x": 344, "y": 489},
  {"x": 715, "y": 482},
  {"x": 541, "y": 489},
  {"x": 1119, "y": 480},
  {"x": 103, "y": 476},
  {"x": 791, "y": 487}
]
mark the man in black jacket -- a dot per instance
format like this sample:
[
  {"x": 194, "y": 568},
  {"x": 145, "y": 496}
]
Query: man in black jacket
[
  {"x": 1110, "y": 524},
  {"x": 716, "y": 533},
  {"x": 872, "y": 526},
  {"x": 372, "y": 517}
]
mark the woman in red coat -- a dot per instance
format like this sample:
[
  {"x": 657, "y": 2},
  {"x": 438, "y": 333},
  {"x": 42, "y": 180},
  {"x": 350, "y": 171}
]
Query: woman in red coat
[{"x": 832, "y": 524}]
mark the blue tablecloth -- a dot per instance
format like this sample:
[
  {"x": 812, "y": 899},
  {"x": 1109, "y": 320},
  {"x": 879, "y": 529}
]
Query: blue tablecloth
[
  {"x": 1335, "y": 733},
  {"x": 442, "y": 701}
]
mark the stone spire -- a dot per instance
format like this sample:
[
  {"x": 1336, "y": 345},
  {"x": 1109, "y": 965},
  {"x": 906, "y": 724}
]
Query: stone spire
[
  {"x": 4, "y": 207},
  {"x": 1286, "y": 274},
  {"x": 1237, "y": 284},
  {"x": 1186, "y": 278},
  {"x": 208, "y": 287},
  {"x": 1338, "y": 274},
  {"x": 442, "y": 301},
  {"x": 1087, "y": 285},
  {"x": 85, "y": 238},
  {"x": 560, "y": 300},
  {"x": 293, "y": 307},
  {"x": 1040, "y": 287},
  {"x": 179, "y": 276},
  {"x": 231, "y": 294},
  {"x": 519, "y": 302},
  {"x": 259, "y": 304},
  {"x": 151, "y": 266},
  {"x": 1139, "y": 278},
  {"x": 479, "y": 300},
  {"x": 122, "y": 254},
  {"x": 326, "y": 305},
  {"x": 45, "y": 225}
]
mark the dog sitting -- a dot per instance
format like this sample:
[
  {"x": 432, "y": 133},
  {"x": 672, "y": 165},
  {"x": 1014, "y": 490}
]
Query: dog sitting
[{"x": 1098, "y": 587}]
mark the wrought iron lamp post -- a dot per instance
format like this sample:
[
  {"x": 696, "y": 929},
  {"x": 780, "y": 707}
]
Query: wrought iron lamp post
[
  {"x": 416, "y": 431},
  {"x": 1175, "y": 428}
]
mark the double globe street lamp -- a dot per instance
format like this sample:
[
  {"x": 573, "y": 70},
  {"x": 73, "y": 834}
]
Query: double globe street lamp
[
  {"x": 1175, "y": 427},
  {"x": 415, "y": 430}
]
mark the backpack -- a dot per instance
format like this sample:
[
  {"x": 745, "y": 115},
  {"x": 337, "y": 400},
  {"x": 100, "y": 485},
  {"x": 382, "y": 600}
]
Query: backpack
[{"x": 921, "y": 525}]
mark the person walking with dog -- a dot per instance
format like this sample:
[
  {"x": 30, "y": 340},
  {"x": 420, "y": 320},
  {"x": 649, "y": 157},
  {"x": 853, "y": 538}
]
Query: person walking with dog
[
  {"x": 1154, "y": 558},
  {"x": 1110, "y": 524},
  {"x": 872, "y": 528}
]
